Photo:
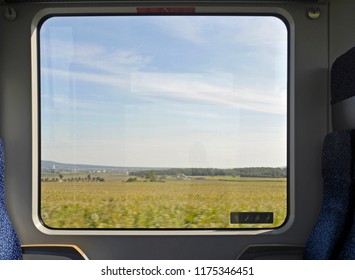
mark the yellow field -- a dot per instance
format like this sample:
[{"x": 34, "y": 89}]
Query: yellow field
[{"x": 171, "y": 204}]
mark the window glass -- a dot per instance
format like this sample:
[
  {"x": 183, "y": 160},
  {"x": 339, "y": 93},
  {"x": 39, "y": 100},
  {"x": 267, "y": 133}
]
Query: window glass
[{"x": 163, "y": 122}]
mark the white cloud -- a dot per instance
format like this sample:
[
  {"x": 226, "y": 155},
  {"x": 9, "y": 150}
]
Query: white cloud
[
  {"x": 209, "y": 89},
  {"x": 104, "y": 79},
  {"x": 216, "y": 89},
  {"x": 66, "y": 55}
]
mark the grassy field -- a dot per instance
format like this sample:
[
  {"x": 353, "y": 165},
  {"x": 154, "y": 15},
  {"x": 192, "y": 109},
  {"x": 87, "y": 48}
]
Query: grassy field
[{"x": 203, "y": 203}]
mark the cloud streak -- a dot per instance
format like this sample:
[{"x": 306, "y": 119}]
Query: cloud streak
[{"x": 209, "y": 89}]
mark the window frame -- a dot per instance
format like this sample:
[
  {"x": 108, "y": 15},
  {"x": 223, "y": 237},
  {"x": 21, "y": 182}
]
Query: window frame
[{"x": 44, "y": 14}]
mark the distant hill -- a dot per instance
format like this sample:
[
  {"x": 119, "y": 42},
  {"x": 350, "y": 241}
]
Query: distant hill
[
  {"x": 47, "y": 165},
  {"x": 265, "y": 172}
]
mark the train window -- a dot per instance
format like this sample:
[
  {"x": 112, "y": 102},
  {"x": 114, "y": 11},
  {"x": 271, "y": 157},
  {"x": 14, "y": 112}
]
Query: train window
[{"x": 163, "y": 122}]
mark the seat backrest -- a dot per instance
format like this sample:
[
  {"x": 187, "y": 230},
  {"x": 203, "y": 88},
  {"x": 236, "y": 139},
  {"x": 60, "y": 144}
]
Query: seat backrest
[
  {"x": 333, "y": 236},
  {"x": 343, "y": 91},
  {"x": 326, "y": 241},
  {"x": 10, "y": 248}
]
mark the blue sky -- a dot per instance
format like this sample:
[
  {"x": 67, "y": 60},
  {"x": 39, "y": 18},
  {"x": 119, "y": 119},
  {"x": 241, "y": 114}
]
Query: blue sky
[{"x": 159, "y": 91}]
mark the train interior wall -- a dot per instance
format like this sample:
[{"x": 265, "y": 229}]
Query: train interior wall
[{"x": 317, "y": 44}]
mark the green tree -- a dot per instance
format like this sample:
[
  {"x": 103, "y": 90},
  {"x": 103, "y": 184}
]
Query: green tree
[
  {"x": 150, "y": 176},
  {"x": 132, "y": 179}
]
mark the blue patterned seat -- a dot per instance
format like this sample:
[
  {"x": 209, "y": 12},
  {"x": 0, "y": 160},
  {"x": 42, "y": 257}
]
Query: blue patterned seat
[
  {"x": 333, "y": 236},
  {"x": 10, "y": 248}
]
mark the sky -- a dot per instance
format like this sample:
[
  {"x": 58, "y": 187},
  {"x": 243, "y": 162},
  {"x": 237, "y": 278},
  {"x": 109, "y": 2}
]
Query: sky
[{"x": 164, "y": 91}]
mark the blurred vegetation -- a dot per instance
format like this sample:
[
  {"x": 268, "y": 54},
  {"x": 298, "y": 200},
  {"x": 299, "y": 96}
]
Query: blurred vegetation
[{"x": 196, "y": 202}]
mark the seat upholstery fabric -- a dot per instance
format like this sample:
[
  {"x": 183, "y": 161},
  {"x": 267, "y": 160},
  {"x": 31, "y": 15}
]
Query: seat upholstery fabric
[
  {"x": 10, "y": 248},
  {"x": 327, "y": 239},
  {"x": 342, "y": 77}
]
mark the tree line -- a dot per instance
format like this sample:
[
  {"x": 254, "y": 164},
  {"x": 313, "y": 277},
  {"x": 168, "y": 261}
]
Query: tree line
[
  {"x": 261, "y": 172},
  {"x": 61, "y": 178}
]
